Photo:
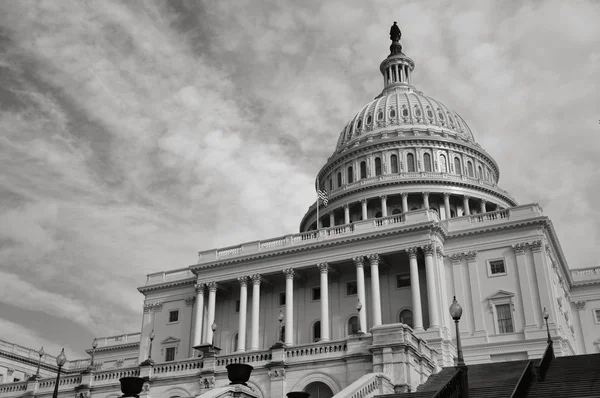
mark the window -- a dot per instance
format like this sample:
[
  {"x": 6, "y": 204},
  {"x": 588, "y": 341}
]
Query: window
[
  {"x": 353, "y": 325},
  {"x": 173, "y": 316},
  {"x": 410, "y": 162},
  {"x": 394, "y": 162},
  {"x": 363, "y": 169},
  {"x": 470, "y": 168},
  {"x": 443, "y": 164},
  {"x": 377, "y": 166},
  {"x": 380, "y": 115},
  {"x": 597, "y": 316},
  {"x": 350, "y": 175},
  {"x": 316, "y": 293},
  {"x": 170, "y": 354},
  {"x": 427, "y": 161},
  {"x": 404, "y": 112},
  {"x": 497, "y": 267},
  {"x": 339, "y": 179},
  {"x": 396, "y": 211},
  {"x": 237, "y": 306},
  {"x": 16, "y": 380},
  {"x": 440, "y": 115},
  {"x": 235, "y": 342},
  {"x": 330, "y": 184},
  {"x": 457, "y": 169},
  {"x": 378, "y": 214},
  {"x": 429, "y": 113},
  {"x": 417, "y": 112},
  {"x": 392, "y": 113},
  {"x": 369, "y": 120},
  {"x": 282, "y": 333},
  {"x": 351, "y": 288},
  {"x": 281, "y": 298},
  {"x": 406, "y": 317},
  {"x": 402, "y": 280},
  {"x": 479, "y": 172},
  {"x": 359, "y": 124},
  {"x": 504, "y": 316},
  {"x": 316, "y": 331}
]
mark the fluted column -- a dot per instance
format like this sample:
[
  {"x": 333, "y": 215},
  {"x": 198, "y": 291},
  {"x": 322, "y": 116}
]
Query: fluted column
[
  {"x": 425, "y": 199},
  {"x": 243, "y": 311},
  {"x": 331, "y": 219},
  {"x": 474, "y": 285},
  {"x": 383, "y": 205},
  {"x": 360, "y": 287},
  {"x": 363, "y": 202},
  {"x": 256, "y": 279},
  {"x": 466, "y": 205},
  {"x": 432, "y": 298},
  {"x": 415, "y": 289},
  {"x": 346, "y": 214},
  {"x": 447, "y": 204},
  {"x": 404, "y": 202},
  {"x": 483, "y": 209},
  {"x": 526, "y": 275},
  {"x": 199, "y": 314},
  {"x": 289, "y": 306},
  {"x": 375, "y": 289},
  {"x": 324, "y": 269},
  {"x": 212, "y": 300}
]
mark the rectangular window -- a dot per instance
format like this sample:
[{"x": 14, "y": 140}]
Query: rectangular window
[
  {"x": 597, "y": 316},
  {"x": 173, "y": 316},
  {"x": 316, "y": 293},
  {"x": 237, "y": 306},
  {"x": 505, "y": 323},
  {"x": 282, "y": 298},
  {"x": 351, "y": 288},
  {"x": 170, "y": 354},
  {"x": 497, "y": 267},
  {"x": 402, "y": 280}
]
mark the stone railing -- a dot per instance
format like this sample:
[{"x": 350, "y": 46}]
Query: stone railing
[
  {"x": 255, "y": 358},
  {"x": 113, "y": 376},
  {"x": 307, "y": 352},
  {"x": 367, "y": 386},
  {"x": 180, "y": 367},
  {"x": 65, "y": 382},
  {"x": 168, "y": 276},
  {"x": 13, "y": 388},
  {"x": 118, "y": 340},
  {"x": 490, "y": 216},
  {"x": 583, "y": 275},
  {"x": 511, "y": 214}
]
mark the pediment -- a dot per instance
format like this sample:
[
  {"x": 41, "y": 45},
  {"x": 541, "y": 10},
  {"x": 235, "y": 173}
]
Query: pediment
[
  {"x": 170, "y": 340},
  {"x": 500, "y": 294}
]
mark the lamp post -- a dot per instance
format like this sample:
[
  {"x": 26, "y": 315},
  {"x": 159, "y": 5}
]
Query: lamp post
[
  {"x": 41, "y": 354},
  {"x": 358, "y": 308},
  {"x": 94, "y": 346},
  {"x": 280, "y": 319},
  {"x": 546, "y": 315},
  {"x": 152, "y": 336},
  {"x": 61, "y": 359},
  {"x": 456, "y": 313}
]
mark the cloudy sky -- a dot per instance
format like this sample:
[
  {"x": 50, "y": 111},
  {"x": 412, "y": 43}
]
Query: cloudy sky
[{"x": 135, "y": 133}]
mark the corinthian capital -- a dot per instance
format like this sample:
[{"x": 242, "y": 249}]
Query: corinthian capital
[
  {"x": 428, "y": 249},
  {"x": 157, "y": 307},
  {"x": 580, "y": 304},
  {"x": 359, "y": 261},
  {"x": 199, "y": 288},
  {"x": 243, "y": 280},
  {"x": 189, "y": 301},
  {"x": 412, "y": 252},
  {"x": 519, "y": 248},
  {"x": 374, "y": 258},
  {"x": 535, "y": 246},
  {"x": 289, "y": 273},
  {"x": 471, "y": 256},
  {"x": 456, "y": 258},
  {"x": 323, "y": 267},
  {"x": 148, "y": 307},
  {"x": 256, "y": 279},
  {"x": 212, "y": 286}
]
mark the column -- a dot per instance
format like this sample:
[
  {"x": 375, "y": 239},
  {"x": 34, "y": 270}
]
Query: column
[
  {"x": 415, "y": 289},
  {"x": 346, "y": 214},
  {"x": 324, "y": 269},
  {"x": 383, "y": 205},
  {"x": 360, "y": 284},
  {"x": 363, "y": 202},
  {"x": 289, "y": 306},
  {"x": 441, "y": 271},
  {"x": 402, "y": 74},
  {"x": 447, "y": 204},
  {"x": 540, "y": 264},
  {"x": 404, "y": 202},
  {"x": 425, "y": 200},
  {"x": 483, "y": 209},
  {"x": 434, "y": 318},
  {"x": 397, "y": 73},
  {"x": 147, "y": 324},
  {"x": 256, "y": 279},
  {"x": 467, "y": 211},
  {"x": 525, "y": 286},
  {"x": 243, "y": 311},
  {"x": 212, "y": 299},
  {"x": 460, "y": 291},
  {"x": 331, "y": 219},
  {"x": 477, "y": 303},
  {"x": 375, "y": 289},
  {"x": 199, "y": 314}
]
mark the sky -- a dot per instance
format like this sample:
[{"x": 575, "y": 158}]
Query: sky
[{"x": 134, "y": 134}]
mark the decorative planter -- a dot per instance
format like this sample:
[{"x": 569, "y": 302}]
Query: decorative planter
[
  {"x": 297, "y": 394},
  {"x": 239, "y": 373},
  {"x": 131, "y": 386}
]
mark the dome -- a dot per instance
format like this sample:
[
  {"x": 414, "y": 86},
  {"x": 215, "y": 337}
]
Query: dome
[{"x": 403, "y": 106}]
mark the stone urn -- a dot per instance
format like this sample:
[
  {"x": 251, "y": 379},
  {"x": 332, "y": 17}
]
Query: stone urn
[
  {"x": 239, "y": 373},
  {"x": 132, "y": 386},
  {"x": 297, "y": 394}
]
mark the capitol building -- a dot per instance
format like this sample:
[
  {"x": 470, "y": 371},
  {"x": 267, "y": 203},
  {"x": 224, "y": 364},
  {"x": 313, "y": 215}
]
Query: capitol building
[{"x": 356, "y": 303}]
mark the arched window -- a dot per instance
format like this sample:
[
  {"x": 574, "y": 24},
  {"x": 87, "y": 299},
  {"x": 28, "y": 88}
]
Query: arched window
[
  {"x": 470, "y": 168},
  {"x": 427, "y": 161},
  {"x": 339, "y": 179},
  {"x": 282, "y": 334},
  {"x": 457, "y": 167},
  {"x": 396, "y": 211},
  {"x": 410, "y": 162},
  {"x": 359, "y": 124},
  {"x": 443, "y": 164},
  {"x": 350, "y": 175},
  {"x": 318, "y": 389},
  {"x": 316, "y": 331},
  {"x": 406, "y": 317},
  {"x": 330, "y": 184},
  {"x": 394, "y": 163},
  {"x": 479, "y": 172},
  {"x": 404, "y": 112},
  {"x": 380, "y": 115},
  {"x": 377, "y": 166},
  {"x": 363, "y": 169},
  {"x": 235, "y": 343},
  {"x": 353, "y": 325}
]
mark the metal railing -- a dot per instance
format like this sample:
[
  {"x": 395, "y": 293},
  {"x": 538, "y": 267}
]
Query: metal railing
[{"x": 524, "y": 382}]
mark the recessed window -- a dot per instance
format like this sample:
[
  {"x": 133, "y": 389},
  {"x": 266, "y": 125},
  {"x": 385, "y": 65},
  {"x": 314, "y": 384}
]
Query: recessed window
[
  {"x": 16, "y": 380},
  {"x": 169, "y": 354},
  {"x": 369, "y": 120},
  {"x": 353, "y": 325},
  {"x": 402, "y": 280},
  {"x": 406, "y": 317},
  {"x": 597, "y": 316},
  {"x": 392, "y": 113},
  {"x": 417, "y": 112},
  {"x": 363, "y": 169},
  {"x": 173, "y": 316},
  {"x": 351, "y": 288},
  {"x": 394, "y": 163},
  {"x": 440, "y": 115},
  {"x": 282, "y": 298},
  {"x": 457, "y": 167},
  {"x": 504, "y": 316},
  {"x": 443, "y": 165},
  {"x": 237, "y": 305},
  {"x": 350, "y": 175},
  {"x": 410, "y": 162},
  {"x": 380, "y": 115},
  {"x": 282, "y": 333},
  {"x": 429, "y": 114},
  {"x": 427, "y": 161},
  {"x": 497, "y": 267},
  {"x": 405, "y": 112},
  {"x": 316, "y": 330},
  {"x": 359, "y": 124},
  {"x": 316, "y": 293},
  {"x": 377, "y": 166},
  {"x": 339, "y": 179}
]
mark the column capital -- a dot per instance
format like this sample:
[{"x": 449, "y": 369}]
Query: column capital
[
  {"x": 519, "y": 248},
  {"x": 412, "y": 252},
  {"x": 428, "y": 249},
  {"x": 199, "y": 287},
  {"x": 363, "y": 201},
  {"x": 425, "y": 193},
  {"x": 535, "y": 246},
  {"x": 383, "y": 197},
  {"x": 256, "y": 279},
  {"x": 157, "y": 307},
  {"x": 467, "y": 197},
  {"x": 148, "y": 307},
  {"x": 580, "y": 304},
  {"x": 404, "y": 195},
  {"x": 471, "y": 256},
  {"x": 456, "y": 258},
  {"x": 323, "y": 267},
  {"x": 189, "y": 301},
  {"x": 359, "y": 261},
  {"x": 446, "y": 194},
  {"x": 212, "y": 286},
  {"x": 346, "y": 206},
  {"x": 374, "y": 258},
  {"x": 243, "y": 280},
  {"x": 483, "y": 201},
  {"x": 289, "y": 273}
]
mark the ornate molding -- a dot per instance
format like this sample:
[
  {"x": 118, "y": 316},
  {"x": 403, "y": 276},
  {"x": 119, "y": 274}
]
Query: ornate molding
[
  {"x": 425, "y": 194},
  {"x": 212, "y": 286},
  {"x": 243, "y": 280},
  {"x": 148, "y": 307},
  {"x": 199, "y": 287},
  {"x": 519, "y": 248},
  {"x": 446, "y": 195},
  {"x": 383, "y": 197},
  {"x": 277, "y": 374},
  {"x": 535, "y": 246},
  {"x": 289, "y": 273},
  {"x": 412, "y": 252},
  {"x": 471, "y": 256},
  {"x": 456, "y": 258},
  {"x": 157, "y": 307},
  {"x": 580, "y": 304},
  {"x": 256, "y": 279},
  {"x": 323, "y": 267},
  {"x": 189, "y": 301},
  {"x": 428, "y": 249},
  {"x": 404, "y": 195},
  {"x": 359, "y": 261},
  {"x": 10, "y": 371},
  {"x": 373, "y": 258}
]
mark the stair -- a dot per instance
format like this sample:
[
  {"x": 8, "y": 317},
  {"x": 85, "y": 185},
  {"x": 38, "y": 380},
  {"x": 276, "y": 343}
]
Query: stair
[{"x": 572, "y": 376}]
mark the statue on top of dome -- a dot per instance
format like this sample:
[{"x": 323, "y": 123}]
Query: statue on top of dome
[{"x": 395, "y": 33}]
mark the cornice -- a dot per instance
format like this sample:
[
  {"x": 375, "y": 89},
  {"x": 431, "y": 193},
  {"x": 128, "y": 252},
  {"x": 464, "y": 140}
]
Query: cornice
[
  {"x": 541, "y": 220},
  {"x": 116, "y": 347},
  {"x": 168, "y": 285},
  {"x": 28, "y": 361}
]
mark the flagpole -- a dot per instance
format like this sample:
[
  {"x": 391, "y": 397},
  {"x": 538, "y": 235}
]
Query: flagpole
[{"x": 317, "y": 204}]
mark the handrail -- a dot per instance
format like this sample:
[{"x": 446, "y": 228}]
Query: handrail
[
  {"x": 524, "y": 382},
  {"x": 369, "y": 385},
  {"x": 544, "y": 364},
  {"x": 451, "y": 389}
]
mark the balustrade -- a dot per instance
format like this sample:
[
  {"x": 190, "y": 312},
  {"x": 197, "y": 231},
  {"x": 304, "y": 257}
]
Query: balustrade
[
  {"x": 331, "y": 348},
  {"x": 249, "y": 358},
  {"x": 113, "y": 376},
  {"x": 177, "y": 367},
  {"x": 13, "y": 388}
]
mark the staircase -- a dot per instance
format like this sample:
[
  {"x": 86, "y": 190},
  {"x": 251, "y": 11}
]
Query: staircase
[{"x": 572, "y": 376}]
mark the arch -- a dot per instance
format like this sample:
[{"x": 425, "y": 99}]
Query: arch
[
  {"x": 256, "y": 388},
  {"x": 470, "y": 168},
  {"x": 176, "y": 392},
  {"x": 457, "y": 166},
  {"x": 405, "y": 316},
  {"x": 316, "y": 330},
  {"x": 410, "y": 162},
  {"x": 330, "y": 184},
  {"x": 352, "y": 325},
  {"x": 318, "y": 389},
  {"x": 350, "y": 174},
  {"x": 427, "y": 161},
  {"x": 377, "y": 166},
  {"x": 363, "y": 169},
  {"x": 479, "y": 172},
  {"x": 394, "y": 163},
  {"x": 339, "y": 179},
  {"x": 396, "y": 211},
  {"x": 317, "y": 376},
  {"x": 443, "y": 164}
]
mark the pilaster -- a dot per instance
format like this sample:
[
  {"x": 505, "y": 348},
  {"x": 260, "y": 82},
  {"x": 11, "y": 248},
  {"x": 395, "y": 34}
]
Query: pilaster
[{"x": 476, "y": 300}]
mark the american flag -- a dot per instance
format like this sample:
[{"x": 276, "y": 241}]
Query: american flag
[{"x": 323, "y": 196}]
